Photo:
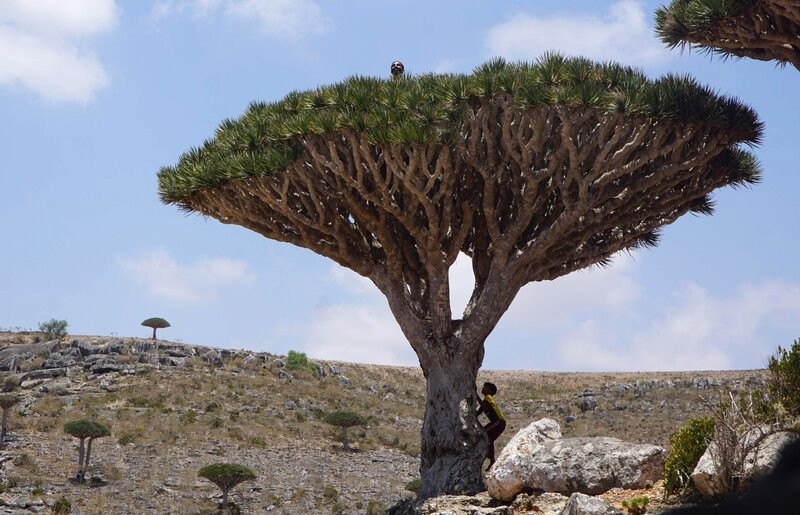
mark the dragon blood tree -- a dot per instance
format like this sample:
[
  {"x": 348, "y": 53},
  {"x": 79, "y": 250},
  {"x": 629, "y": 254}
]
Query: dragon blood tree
[
  {"x": 766, "y": 30},
  {"x": 532, "y": 170}
]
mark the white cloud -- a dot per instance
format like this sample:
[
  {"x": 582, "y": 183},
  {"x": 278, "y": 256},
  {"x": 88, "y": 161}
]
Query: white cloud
[
  {"x": 697, "y": 331},
  {"x": 595, "y": 319},
  {"x": 549, "y": 303},
  {"x": 78, "y": 18},
  {"x": 284, "y": 19},
  {"x": 360, "y": 330},
  {"x": 364, "y": 329},
  {"x": 43, "y": 47},
  {"x": 446, "y": 66},
  {"x": 623, "y": 34},
  {"x": 201, "y": 281}
]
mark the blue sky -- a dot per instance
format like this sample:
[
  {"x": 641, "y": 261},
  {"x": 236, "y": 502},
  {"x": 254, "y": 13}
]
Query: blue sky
[{"x": 96, "y": 95}]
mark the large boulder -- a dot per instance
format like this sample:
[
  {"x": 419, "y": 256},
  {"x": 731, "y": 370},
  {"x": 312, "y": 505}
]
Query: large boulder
[
  {"x": 582, "y": 504},
  {"x": 509, "y": 475},
  {"x": 544, "y": 461},
  {"x": 482, "y": 504},
  {"x": 757, "y": 463},
  {"x": 10, "y": 357}
]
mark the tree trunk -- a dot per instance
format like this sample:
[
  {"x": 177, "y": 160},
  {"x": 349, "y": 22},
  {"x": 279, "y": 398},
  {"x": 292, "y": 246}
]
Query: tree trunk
[
  {"x": 225, "y": 498},
  {"x": 154, "y": 333},
  {"x": 80, "y": 475},
  {"x": 345, "y": 440},
  {"x": 453, "y": 442},
  {"x": 4, "y": 429},
  {"x": 88, "y": 454}
]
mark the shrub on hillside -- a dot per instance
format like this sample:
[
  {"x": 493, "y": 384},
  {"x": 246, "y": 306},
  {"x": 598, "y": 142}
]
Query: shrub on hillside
[
  {"x": 299, "y": 361},
  {"x": 637, "y": 505},
  {"x": 61, "y": 506},
  {"x": 414, "y": 485},
  {"x": 687, "y": 445},
  {"x": 784, "y": 378},
  {"x": 54, "y": 329}
]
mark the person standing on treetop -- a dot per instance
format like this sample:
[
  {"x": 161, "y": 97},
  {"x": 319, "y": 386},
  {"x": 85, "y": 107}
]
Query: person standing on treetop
[{"x": 497, "y": 421}]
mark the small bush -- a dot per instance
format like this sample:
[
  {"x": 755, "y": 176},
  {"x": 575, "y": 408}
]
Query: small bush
[
  {"x": 331, "y": 493},
  {"x": 61, "y": 506},
  {"x": 414, "y": 485},
  {"x": 127, "y": 437},
  {"x": 24, "y": 460},
  {"x": 54, "y": 329},
  {"x": 375, "y": 507},
  {"x": 784, "y": 378},
  {"x": 299, "y": 361},
  {"x": 257, "y": 441},
  {"x": 687, "y": 445},
  {"x": 636, "y": 506},
  {"x": 189, "y": 417}
]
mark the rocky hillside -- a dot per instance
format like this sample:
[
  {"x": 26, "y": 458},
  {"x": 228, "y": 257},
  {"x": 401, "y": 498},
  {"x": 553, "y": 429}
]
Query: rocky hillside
[{"x": 174, "y": 408}]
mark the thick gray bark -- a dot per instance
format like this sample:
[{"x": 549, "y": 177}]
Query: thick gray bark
[
  {"x": 88, "y": 454},
  {"x": 345, "y": 440},
  {"x": 453, "y": 442},
  {"x": 81, "y": 463},
  {"x": 5, "y": 428}
]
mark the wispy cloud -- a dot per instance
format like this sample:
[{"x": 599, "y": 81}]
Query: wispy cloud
[
  {"x": 622, "y": 34},
  {"x": 44, "y": 47},
  {"x": 695, "y": 331},
  {"x": 201, "y": 281},
  {"x": 362, "y": 332},
  {"x": 594, "y": 319},
  {"x": 290, "y": 20}
]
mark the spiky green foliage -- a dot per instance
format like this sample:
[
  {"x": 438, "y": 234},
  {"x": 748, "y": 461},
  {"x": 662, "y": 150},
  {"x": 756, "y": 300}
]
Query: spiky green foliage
[
  {"x": 86, "y": 428},
  {"x": 683, "y": 19},
  {"x": 345, "y": 419},
  {"x": 636, "y": 506},
  {"x": 687, "y": 445},
  {"x": 61, "y": 506},
  {"x": 784, "y": 379},
  {"x": 414, "y": 485},
  {"x": 760, "y": 29},
  {"x": 431, "y": 108}
]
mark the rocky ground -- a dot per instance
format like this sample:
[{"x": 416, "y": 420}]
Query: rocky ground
[{"x": 174, "y": 408}]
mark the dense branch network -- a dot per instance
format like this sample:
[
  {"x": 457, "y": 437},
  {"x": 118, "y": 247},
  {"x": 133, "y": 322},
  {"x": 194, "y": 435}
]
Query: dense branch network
[
  {"x": 528, "y": 194},
  {"x": 765, "y": 30}
]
